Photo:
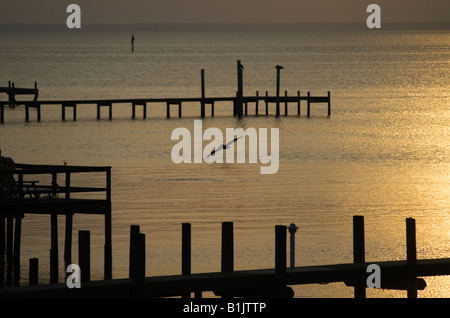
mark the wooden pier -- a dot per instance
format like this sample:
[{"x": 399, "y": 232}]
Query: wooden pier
[
  {"x": 239, "y": 102},
  {"x": 228, "y": 282},
  {"x": 49, "y": 190}
]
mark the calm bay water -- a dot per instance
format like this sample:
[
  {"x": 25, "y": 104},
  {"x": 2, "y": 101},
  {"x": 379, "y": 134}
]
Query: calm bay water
[{"x": 383, "y": 153}]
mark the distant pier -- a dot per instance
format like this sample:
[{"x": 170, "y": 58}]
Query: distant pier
[{"x": 240, "y": 103}]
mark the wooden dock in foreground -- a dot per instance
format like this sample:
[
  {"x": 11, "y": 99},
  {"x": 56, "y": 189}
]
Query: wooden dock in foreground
[
  {"x": 228, "y": 283},
  {"x": 239, "y": 102},
  {"x": 49, "y": 190}
]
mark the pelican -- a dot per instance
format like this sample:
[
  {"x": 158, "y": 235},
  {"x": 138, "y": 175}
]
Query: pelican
[{"x": 224, "y": 146}]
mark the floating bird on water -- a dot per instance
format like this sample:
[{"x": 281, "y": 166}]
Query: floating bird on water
[{"x": 224, "y": 146}]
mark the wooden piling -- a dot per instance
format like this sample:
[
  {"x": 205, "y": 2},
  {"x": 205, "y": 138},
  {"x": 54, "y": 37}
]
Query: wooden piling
[
  {"x": 108, "y": 228},
  {"x": 298, "y": 103},
  {"x": 106, "y": 104},
  {"x": 257, "y": 103},
  {"x": 329, "y": 104},
  {"x": 17, "y": 241},
  {"x": 9, "y": 241},
  {"x": 84, "y": 255},
  {"x": 309, "y": 105},
  {"x": 2, "y": 237},
  {"x": 138, "y": 270},
  {"x": 359, "y": 252},
  {"x": 186, "y": 252},
  {"x": 267, "y": 103},
  {"x": 240, "y": 95},
  {"x": 54, "y": 249},
  {"x": 411, "y": 255},
  {"x": 285, "y": 104},
  {"x": 134, "y": 229},
  {"x": 280, "y": 250},
  {"x": 69, "y": 225},
  {"x": 227, "y": 263},
  {"x": 202, "y": 102},
  {"x": 33, "y": 276},
  {"x": 278, "y": 91}
]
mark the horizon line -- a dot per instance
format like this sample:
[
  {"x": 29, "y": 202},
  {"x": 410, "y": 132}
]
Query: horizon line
[{"x": 233, "y": 26}]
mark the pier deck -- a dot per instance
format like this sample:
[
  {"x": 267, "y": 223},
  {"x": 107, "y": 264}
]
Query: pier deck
[{"x": 241, "y": 110}]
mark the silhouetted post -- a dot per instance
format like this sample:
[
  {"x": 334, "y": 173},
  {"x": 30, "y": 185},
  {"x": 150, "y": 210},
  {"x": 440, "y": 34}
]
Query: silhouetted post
[
  {"x": 292, "y": 229},
  {"x": 186, "y": 252},
  {"x": 168, "y": 110},
  {"x": 280, "y": 254},
  {"x": 17, "y": 239},
  {"x": 108, "y": 228},
  {"x": 411, "y": 255},
  {"x": 202, "y": 105},
  {"x": 278, "y": 67},
  {"x": 2, "y": 237},
  {"x": 286, "y": 104},
  {"x": 309, "y": 105},
  {"x": 134, "y": 229},
  {"x": 132, "y": 43},
  {"x": 33, "y": 275},
  {"x": 267, "y": 103},
  {"x": 298, "y": 103},
  {"x": 329, "y": 104},
  {"x": 138, "y": 270},
  {"x": 359, "y": 251},
  {"x": 9, "y": 242},
  {"x": 227, "y": 247},
  {"x": 38, "y": 109},
  {"x": 240, "y": 94},
  {"x": 54, "y": 249},
  {"x": 84, "y": 255},
  {"x": 27, "y": 113},
  {"x": 69, "y": 224},
  {"x": 257, "y": 103}
]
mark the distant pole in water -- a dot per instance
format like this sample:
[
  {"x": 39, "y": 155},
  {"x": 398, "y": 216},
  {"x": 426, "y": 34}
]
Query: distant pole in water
[{"x": 132, "y": 43}]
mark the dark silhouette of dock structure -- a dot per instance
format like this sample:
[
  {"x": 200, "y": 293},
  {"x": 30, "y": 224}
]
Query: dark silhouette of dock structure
[
  {"x": 49, "y": 190},
  {"x": 240, "y": 102},
  {"x": 228, "y": 282}
]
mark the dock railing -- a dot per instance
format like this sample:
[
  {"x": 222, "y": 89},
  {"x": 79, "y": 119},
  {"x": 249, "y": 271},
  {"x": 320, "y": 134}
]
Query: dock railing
[{"x": 50, "y": 190}]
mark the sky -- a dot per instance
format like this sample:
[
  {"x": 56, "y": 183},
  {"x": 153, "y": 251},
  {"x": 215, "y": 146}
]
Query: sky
[{"x": 222, "y": 11}]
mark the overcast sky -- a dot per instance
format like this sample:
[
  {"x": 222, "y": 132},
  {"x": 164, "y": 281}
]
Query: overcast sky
[{"x": 222, "y": 11}]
